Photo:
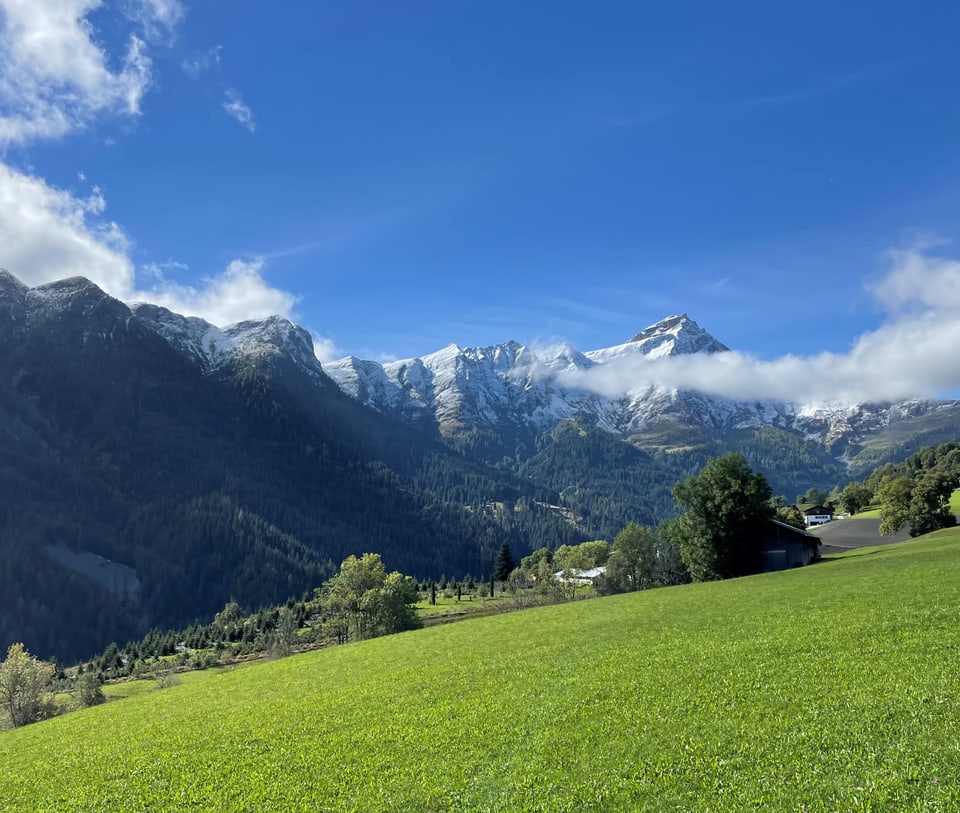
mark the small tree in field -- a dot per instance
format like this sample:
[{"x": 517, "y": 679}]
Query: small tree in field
[
  {"x": 24, "y": 686},
  {"x": 88, "y": 689}
]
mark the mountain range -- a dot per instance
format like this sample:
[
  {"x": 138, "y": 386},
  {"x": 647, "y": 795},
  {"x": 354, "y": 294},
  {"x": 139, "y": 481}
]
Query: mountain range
[
  {"x": 510, "y": 388},
  {"x": 154, "y": 466}
]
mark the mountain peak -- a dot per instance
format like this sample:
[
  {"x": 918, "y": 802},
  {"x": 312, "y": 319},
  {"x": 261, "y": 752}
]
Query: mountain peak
[{"x": 674, "y": 335}]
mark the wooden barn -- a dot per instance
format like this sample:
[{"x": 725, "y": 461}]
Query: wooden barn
[{"x": 785, "y": 546}]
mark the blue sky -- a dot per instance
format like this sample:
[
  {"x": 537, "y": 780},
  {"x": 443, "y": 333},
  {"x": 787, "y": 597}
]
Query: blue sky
[{"x": 398, "y": 176}]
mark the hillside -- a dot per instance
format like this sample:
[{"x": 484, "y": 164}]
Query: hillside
[
  {"x": 200, "y": 465},
  {"x": 825, "y": 688},
  {"x": 155, "y": 466}
]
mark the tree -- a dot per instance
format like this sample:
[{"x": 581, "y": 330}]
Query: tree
[
  {"x": 342, "y": 595},
  {"x": 670, "y": 568},
  {"x": 364, "y": 601},
  {"x": 598, "y": 551},
  {"x": 504, "y": 565},
  {"x": 813, "y": 496},
  {"x": 285, "y": 635},
  {"x": 24, "y": 685},
  {"x": 930, "y": 503},
  {"x": 720, "y": 533},
  {"x": 633, "y": 557},
  {"x": 530, "y": 564},
  {"x": 790, "y": 515},
  {"x": 894, "y": 496},
  {"x": 88, "y": 689},
  {"x": 388, "y": 608},
  {"x": 855, "y": 497}
]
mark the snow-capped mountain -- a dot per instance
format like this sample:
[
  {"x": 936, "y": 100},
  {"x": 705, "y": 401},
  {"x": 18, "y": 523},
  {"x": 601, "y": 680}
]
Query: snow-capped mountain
[
  {"x": 510, "y": 385},
  {"x": 209, "y": 347}
]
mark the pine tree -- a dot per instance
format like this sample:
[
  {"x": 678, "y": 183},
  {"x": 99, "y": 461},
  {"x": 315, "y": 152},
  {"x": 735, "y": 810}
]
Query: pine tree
[{"x": 504, "y": 565}]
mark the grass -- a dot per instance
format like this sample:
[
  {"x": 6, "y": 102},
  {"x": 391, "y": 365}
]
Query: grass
[
  {"x": 955, "y": 502},
  {"x": 828, "y": 688}
]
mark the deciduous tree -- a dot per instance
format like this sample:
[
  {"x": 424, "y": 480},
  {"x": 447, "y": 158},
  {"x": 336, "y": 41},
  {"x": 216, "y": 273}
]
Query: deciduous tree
[
  {"x": 894, "y": 496},
  {"x": 24, "y": 686},
  {"x": 725, "y": 508},
  {"x": 855, "y": 497},
  {"x": 930, "y": 503}
]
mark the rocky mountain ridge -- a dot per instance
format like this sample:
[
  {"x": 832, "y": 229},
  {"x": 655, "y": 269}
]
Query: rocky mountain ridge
[{"x": 510, "y": 385}]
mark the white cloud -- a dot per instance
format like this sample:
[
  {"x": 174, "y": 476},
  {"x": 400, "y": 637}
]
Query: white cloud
[
  {"x": 54, "y": 74},
  {"x": 158, "y": 18},
  {"x": 239, "y": 293},
  {"x": 325, "y": 349},
  {"x": 202, "y": 62},
  {"x": 48, "y": 234},
  {"x": 913, "y": 353},
  {"x": 238, "y": 109}
]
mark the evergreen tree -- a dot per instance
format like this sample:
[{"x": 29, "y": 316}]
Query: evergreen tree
[{"x": 504, "y": 565}]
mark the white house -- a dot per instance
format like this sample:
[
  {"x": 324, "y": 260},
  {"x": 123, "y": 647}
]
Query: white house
[
  {"x": 817, "y": 515},
  {"x": 576, "y": 576}
]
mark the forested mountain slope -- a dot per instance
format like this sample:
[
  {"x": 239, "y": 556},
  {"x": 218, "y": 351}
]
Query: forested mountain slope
[{"x": 215, "y": 465}]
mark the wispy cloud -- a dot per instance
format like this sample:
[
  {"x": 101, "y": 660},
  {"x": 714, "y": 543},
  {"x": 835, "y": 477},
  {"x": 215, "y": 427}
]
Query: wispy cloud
[
  {"x": 159, "y": 19},
  {"x": 238, "y": 109},
  {"x": 202, "y": 62},
  {"x": 824, "y": 86},
  {"x": 158, "y": 271},
  {"x": 912, "y": 353}
]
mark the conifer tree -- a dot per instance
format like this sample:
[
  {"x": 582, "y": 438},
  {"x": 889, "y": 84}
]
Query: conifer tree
[{"x": 504, "y": 565}]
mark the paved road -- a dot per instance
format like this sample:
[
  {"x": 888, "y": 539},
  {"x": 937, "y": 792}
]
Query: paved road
[{"x": 845, "y": 534}]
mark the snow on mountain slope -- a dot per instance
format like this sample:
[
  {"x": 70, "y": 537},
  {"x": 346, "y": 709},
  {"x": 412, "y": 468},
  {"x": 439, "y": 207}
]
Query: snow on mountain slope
[
  {"x": 206, "y": 345},
  {"x": 510, "y": 385},
  {"x": 211, "y": 347}
]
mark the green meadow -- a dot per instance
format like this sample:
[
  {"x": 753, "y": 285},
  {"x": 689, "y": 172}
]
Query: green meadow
[{"x": 829, "y": 688}]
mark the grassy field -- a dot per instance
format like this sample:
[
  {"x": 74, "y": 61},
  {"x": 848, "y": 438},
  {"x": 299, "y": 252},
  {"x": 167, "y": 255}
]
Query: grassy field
[
  {"x": 828, "y": 688},
  {"x": 955, "y": 502}
]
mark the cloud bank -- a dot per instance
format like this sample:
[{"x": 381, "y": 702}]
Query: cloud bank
[{"x": 914, "y": 353}]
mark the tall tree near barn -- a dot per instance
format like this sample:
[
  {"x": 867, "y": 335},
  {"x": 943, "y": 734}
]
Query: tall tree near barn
[{"x": 721, "y": 531}]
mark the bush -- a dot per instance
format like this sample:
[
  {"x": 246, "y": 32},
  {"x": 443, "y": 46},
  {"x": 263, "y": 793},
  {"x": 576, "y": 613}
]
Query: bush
[{"x": 88, "y": 689}]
